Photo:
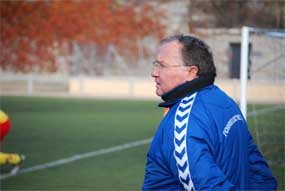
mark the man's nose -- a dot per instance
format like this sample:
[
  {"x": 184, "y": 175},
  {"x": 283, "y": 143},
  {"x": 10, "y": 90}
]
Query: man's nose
[{"x": 154, "y": 72}]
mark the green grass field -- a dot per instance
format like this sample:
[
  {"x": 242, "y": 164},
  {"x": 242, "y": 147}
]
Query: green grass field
[{"x": 49, "y": 129}]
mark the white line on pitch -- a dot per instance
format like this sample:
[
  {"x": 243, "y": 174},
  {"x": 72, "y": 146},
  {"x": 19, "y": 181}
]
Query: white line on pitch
[
  {"x": 266, "y": 110},
  {"x": 79, "y": 157}
]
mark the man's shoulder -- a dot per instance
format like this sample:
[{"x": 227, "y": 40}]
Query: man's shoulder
[{"x": 214, "y": 96}]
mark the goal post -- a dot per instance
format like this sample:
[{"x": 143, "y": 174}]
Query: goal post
[{"x": 243, "y": 70}]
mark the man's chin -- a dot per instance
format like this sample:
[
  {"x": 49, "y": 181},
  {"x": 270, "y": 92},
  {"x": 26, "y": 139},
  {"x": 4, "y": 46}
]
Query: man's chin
[{"x": 158, "y": 93}]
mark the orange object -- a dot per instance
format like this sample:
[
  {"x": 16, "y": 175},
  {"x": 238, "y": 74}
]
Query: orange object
[{"x": 165, "y": 110}]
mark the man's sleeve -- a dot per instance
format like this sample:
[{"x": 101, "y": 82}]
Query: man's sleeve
[
  {"x": 260, "y": 176},
  {"x": 157, "y": 176},
  {"x": 205, "y": 173}
]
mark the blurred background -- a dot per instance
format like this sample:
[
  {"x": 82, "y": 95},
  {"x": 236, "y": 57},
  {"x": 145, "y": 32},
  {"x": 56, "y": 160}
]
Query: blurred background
[
  {"x": 67, "y": 47},
  {"x": 56, "y": 53}
]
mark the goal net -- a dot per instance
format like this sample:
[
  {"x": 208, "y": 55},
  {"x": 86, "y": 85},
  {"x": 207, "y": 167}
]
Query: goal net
[{"x": 263, "y": 91}]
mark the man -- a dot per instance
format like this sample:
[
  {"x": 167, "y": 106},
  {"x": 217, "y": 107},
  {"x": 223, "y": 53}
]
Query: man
[
  {"x": 203, "y": 142},
  {"x": 14, "y": 160}
]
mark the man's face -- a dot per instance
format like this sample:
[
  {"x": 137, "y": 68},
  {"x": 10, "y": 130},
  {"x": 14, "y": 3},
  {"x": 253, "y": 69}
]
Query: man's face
[{"x": 169, "y": 72}]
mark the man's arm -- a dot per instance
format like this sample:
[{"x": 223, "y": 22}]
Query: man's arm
[
  {"x": 260, "y": 176},
  {"x": 158, "y": 176}
]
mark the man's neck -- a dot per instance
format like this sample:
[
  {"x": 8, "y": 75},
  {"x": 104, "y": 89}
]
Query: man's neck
[{"x": 184, "y": 89}]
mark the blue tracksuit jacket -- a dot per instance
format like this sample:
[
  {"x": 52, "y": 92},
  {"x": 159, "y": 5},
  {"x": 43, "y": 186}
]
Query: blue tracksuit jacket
[{"x": 203, "y": 143}]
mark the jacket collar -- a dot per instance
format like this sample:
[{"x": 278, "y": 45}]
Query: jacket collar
[{"x": 182, "y": 90}]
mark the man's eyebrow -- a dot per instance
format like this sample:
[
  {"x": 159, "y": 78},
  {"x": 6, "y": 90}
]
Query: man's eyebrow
[{"x": 159, "y": 62}]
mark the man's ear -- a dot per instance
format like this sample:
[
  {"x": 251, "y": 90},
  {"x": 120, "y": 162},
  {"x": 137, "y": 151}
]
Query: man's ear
[{"x": 193, "y": 72}]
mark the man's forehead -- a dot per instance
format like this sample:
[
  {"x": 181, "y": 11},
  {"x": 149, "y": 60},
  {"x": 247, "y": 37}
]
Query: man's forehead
[
  {"x": 172, "y": 44},
  {"x": 169, "y": 48}
]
